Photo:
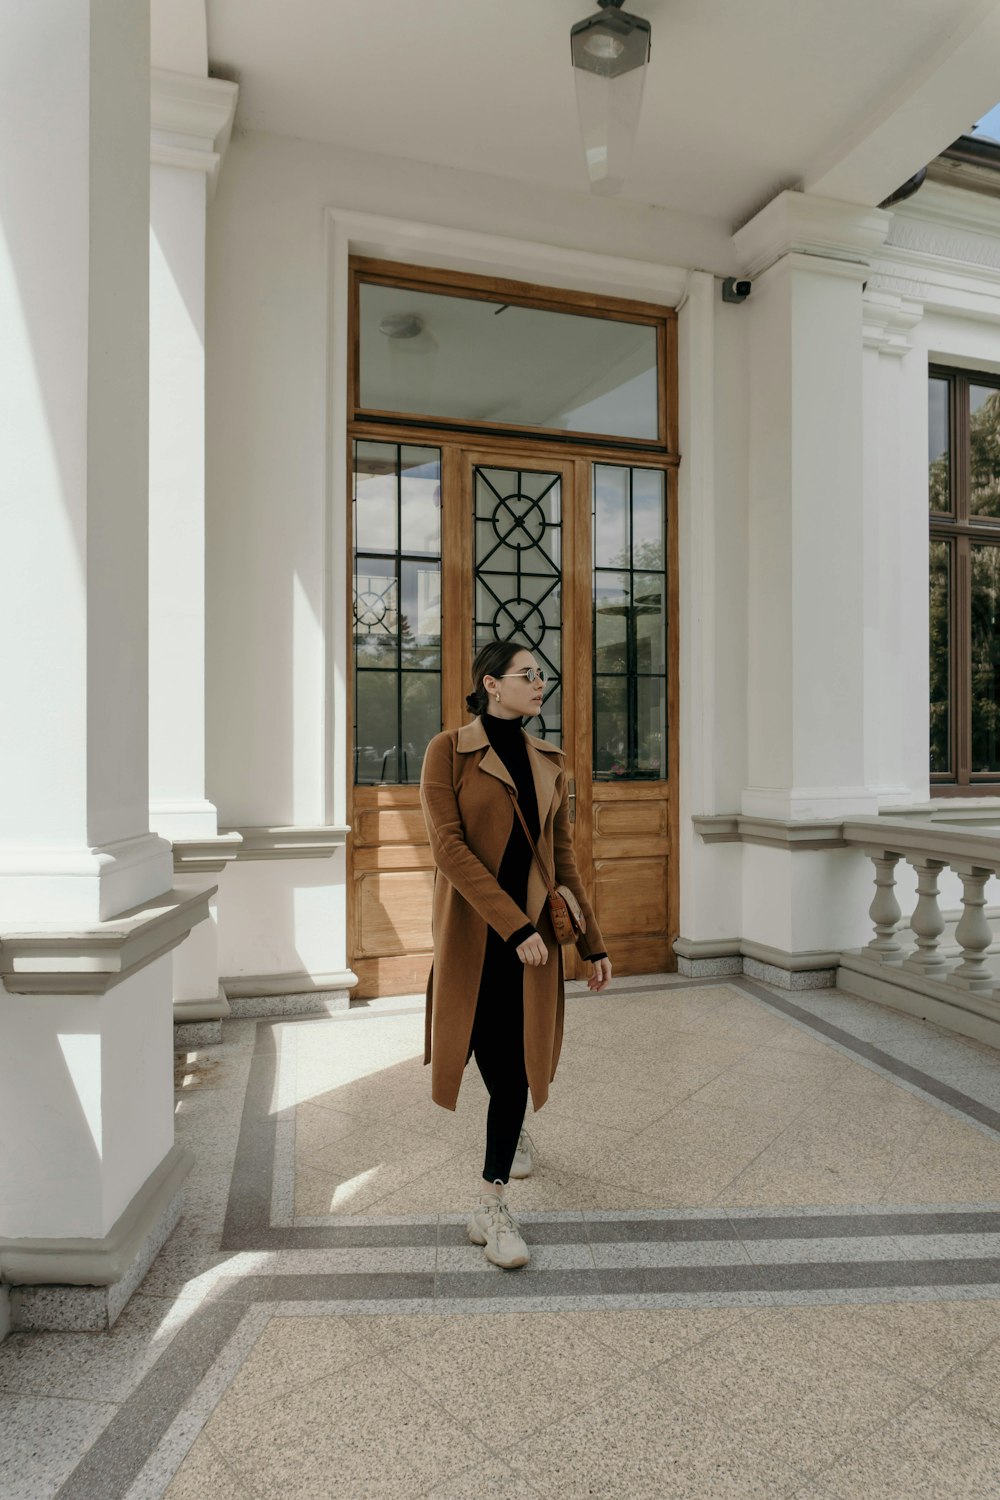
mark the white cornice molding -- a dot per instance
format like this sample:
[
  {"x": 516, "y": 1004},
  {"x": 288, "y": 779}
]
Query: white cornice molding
[
  {"x": 943, "y": 283},
  {"x": 799, "y": 223},
  {"x": 191, "y": 121},
  {"x": 317, "y": 841},
  {"x": 205, "y": 856},
  {"x": 419, "y": 243},
  {"x": 889, "y": 318},
  {"x": 953, "y": 207},
  {"x": 91, "y": 960}
]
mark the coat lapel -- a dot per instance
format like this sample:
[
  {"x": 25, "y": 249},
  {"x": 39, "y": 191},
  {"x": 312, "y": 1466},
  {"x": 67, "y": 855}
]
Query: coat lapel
[
  {"x": 545, "y": 769},
  {"x": 474, "y": 737},
  {"x": 541, "y": 755}
]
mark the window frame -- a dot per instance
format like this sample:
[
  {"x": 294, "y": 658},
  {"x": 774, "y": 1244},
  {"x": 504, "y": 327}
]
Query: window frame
[
  {"x": 363, "y": 270},
  {"x": 962, "y": 531}
]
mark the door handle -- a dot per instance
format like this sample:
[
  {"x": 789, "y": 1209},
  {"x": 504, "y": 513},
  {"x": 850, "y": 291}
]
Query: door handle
[{"x": 572, "y": 800}]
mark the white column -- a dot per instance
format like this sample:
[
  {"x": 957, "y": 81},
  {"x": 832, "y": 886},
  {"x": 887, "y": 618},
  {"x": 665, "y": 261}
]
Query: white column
[
  {"x": 85, "y": 1082},
  {"x": 74, "y": 297},
  {"x": 889, "y": 443},
  {"x": 807, "y": 259},
  {"x": 191, "y": 120}
]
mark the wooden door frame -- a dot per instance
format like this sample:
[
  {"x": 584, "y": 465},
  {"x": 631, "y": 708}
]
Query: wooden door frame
[{"x": 458, "y": 459}]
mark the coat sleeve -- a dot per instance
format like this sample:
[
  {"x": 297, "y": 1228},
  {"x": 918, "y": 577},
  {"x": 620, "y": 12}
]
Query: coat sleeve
[
  {"x": 568, "y": 874},
  {"x": 452, "y": 855}
]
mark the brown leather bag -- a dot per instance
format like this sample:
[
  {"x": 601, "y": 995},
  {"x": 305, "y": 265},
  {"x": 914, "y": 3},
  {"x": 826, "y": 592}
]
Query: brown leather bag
[{"x": 568, "y": 921}]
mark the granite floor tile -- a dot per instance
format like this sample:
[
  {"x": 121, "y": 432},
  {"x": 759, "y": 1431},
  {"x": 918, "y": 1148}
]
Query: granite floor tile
[
  {"x": 42, "y": 1440},
  {"x": 576, "y": 1102},
  {"x": 364, "y": 1430},
  {"x": 929, "y": 1452},
  {"x": 783, "y": 1252},
  {"x": 921, "y": 1342},
  {"x": 649, "y": 1337},
  {"x": 975, "y": 1385},
  {"x": 294, "y": 1352},
  {"x": 528, "y": 1281},
  {"x": 210, "y": 1068},
  {"x": 543, "y": 1257},
  {"x": 610, "y": 1256},
  {"x": 943, "y": 1246},
  {"x": 633, "y": 1442},
  {"x": 512, "y": 1373},
  {"x": 396, "y": 1156},
  {"x": 799, "y": 1398},
  {"x": 491, "y": 1480},
  {"x": 386, "y": 1331},
  {"x": 954, "y": 1161},
  {"x": 88, "y": 1366},
  {"x": 205, "y": 1472}
]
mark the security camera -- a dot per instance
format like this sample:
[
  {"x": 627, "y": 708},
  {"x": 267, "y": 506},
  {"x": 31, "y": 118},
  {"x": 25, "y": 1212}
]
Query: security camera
[{"x": 735, "y": 291}]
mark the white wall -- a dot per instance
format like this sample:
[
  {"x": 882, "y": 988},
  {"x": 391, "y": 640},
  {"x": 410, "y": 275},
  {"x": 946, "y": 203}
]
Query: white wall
[{"x": 267, "y": 542}]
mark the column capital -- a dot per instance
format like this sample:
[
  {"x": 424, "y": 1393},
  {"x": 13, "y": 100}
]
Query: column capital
[
  {"x": 802, "y": 224},
  {"x": 191, "y": 120}
]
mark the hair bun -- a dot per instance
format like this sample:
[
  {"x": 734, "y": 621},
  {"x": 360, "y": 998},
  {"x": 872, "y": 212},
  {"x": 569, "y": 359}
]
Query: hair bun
[{"x": 473, "y": 702}]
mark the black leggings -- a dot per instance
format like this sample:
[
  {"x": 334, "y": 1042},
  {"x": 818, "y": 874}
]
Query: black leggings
[{"x": 498, "y": 1044}]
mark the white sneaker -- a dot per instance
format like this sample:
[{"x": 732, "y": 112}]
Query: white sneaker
[
  {"x": 524, "y": 1156},
  {"x": 493, "y": 1225}
]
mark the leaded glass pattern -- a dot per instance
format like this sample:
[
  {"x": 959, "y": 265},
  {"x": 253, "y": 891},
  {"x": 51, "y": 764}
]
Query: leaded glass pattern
[
  {"x": 397, "y": 609},
  {"x": 518, "y": 573},
  {"x": 630, "y": 624},
  {"x": 940, "y": 656}
]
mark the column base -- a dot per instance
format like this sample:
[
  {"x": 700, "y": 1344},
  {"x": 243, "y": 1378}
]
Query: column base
[
  {"x": 82, "y": 1285},
  {"x": 198, "y": 1023},
  {"x": 790, "y": 971},
  {"x": 259, "y": 996}
]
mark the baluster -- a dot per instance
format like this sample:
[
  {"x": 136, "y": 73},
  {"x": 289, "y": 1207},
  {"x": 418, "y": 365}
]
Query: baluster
[
  {"x": 973, "y": 932},
  {"x": 884, "y": 911},
  {"x": 927, "y": 921}
]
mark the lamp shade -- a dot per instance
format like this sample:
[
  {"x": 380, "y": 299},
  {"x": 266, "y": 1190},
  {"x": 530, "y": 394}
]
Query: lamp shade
[{"x": 610, "y": 53}]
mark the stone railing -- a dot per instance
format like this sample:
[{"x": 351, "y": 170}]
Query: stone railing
[{"x": 955, "y": 982}]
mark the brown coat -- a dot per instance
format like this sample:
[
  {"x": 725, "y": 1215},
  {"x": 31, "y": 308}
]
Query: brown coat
[{"x": 469, "y": 815}]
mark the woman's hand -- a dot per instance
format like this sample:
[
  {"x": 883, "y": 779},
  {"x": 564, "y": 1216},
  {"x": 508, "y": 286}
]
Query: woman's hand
[
  {"x": 601, "y": 976},
  {"x": 533, "y": 950}
]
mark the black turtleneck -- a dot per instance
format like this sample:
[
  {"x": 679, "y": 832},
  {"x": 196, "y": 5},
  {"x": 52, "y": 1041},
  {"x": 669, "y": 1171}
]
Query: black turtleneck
[{"x": 507, "y": 738}]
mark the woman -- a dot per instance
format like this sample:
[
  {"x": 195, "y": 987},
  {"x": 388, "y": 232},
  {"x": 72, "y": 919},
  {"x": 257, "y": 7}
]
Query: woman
[{"x": 496, "y": 986}]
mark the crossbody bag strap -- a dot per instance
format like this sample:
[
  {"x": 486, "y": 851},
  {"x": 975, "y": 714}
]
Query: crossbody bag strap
[{"x": 534, "y": 849}]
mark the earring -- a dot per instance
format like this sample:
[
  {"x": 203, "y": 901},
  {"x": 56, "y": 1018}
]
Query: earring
[{"x": 497, "y": 697}]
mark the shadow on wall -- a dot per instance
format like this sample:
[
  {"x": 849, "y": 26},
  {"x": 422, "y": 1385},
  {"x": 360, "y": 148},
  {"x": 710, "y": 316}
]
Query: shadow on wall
[{"x": 283, "y": 917}]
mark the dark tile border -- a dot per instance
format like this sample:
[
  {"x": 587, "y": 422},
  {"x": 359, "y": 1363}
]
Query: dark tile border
[
  {"x": 110, "y": 1465},
  {"x": 974, "y": 1109},
  {"x": 248, "y": 1213}
]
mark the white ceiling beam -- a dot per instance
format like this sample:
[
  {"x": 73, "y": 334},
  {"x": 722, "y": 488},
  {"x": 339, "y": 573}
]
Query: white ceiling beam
[{"x": 954, "y": 85}]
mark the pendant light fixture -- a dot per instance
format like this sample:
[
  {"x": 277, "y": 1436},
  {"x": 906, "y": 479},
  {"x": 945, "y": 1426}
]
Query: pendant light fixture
[{"x": 610, "y": 55}]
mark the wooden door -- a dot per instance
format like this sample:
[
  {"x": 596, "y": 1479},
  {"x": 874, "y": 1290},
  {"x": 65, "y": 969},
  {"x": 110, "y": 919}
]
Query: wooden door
[{"x": 517, "y": 530}]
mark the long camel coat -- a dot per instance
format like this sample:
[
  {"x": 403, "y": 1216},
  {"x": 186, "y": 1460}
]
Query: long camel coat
[{"x": 469, "y": 814}]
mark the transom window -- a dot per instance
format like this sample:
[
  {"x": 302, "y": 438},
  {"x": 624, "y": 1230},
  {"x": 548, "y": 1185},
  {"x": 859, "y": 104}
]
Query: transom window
[
  {"x": 517, "y": 359},
  {"x": 964, "y": 503}
]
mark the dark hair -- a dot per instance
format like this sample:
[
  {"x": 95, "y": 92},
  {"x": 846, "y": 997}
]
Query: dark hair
[{"x": 492, "y": 660}]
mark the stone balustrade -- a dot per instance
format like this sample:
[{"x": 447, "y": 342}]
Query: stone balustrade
[{"x": 912, "y": 963}]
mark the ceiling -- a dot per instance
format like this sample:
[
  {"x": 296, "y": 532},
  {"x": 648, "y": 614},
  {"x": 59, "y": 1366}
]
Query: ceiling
[{"x": 741, "y": 100}]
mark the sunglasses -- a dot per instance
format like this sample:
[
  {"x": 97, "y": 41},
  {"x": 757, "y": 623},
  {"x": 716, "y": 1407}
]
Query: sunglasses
[{"x": 530, "y": 674}]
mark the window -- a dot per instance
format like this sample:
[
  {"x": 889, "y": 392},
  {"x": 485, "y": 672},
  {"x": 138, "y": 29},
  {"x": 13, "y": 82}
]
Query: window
[
  {"x": 397, "y": 609},
  {"x": 630, "y": 624},
  {"x": 486, "y": 357},
  {"x": 964, "y": 504}
]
